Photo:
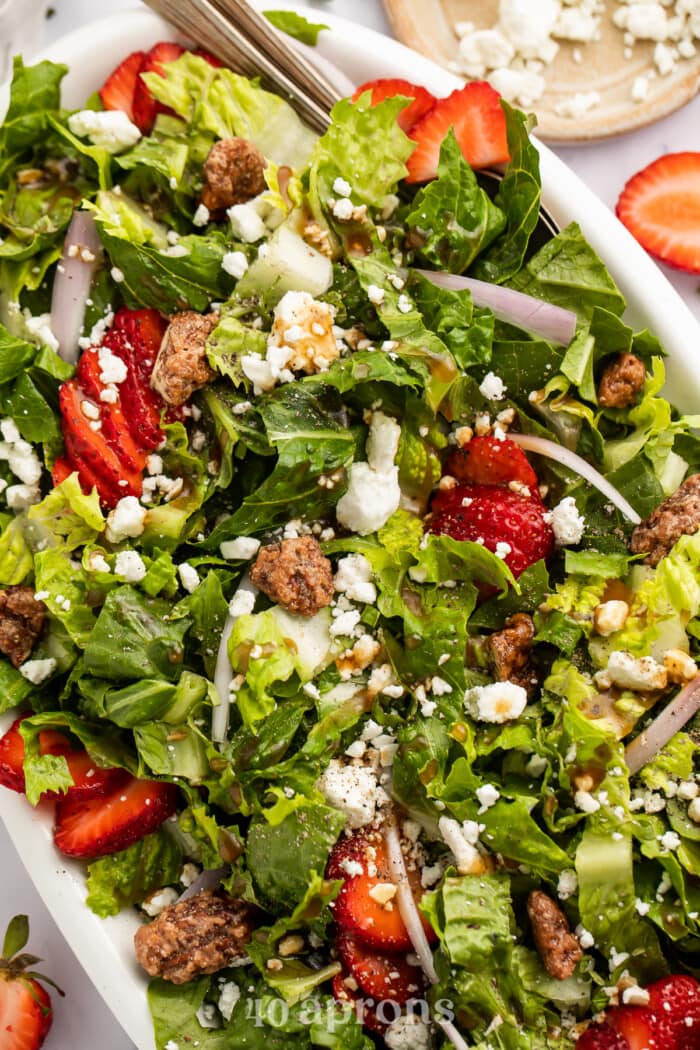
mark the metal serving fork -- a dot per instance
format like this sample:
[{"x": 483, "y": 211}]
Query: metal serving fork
[{"x": 243, "y": 39}]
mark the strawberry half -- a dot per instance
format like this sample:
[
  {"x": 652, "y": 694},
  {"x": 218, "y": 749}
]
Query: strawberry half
[
  {"x": 488, "y": 461},
  {"x": 382, "y": 975},
  {"x": 390, "y": 87},
  {"x": 475, "y": 113},
  {"x": 117, "y": 92},
  {"x": 97, "y": 827},
  {"x": 356, "y": 911},
  {"x": 89, "y": 780},
  {"x": 675, "y": 1002},
  {"x": 146, "y": 108},
  {"x": 660, "y": 206},
  {"x": 492, "y": 514},
  {"x": 601, "y": 1037},
  {"x": 25, "y": 1005}
]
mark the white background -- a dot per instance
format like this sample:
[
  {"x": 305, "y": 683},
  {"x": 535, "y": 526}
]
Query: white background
[{"x": 82, "y": 1021}]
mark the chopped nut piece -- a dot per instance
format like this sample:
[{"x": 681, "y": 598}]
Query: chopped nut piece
[
  {"x": 559, "y": 950},
  {"x": 200, "y": 935},
  {"x": 233, "y": 174},
  {"x": 290, "y": 945},
  {"x": 383, "y": 893},
  {"x": 621, "y": 382},
  {"x": 21, "y": 622},
  {"x": 509, "y": 652},
  {"x": 182, "y": 366},
  {"x": 680, "y": 666},
  {"x": 677, "y": 516},
  {"x": 295, "y": 574}
]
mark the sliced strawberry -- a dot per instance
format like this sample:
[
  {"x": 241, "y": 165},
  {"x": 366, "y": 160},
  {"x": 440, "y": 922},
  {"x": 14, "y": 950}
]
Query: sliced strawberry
[
  {"x": 637, "y": 1025},
  {"x": 110, "y": 824},
  {"x": 390, "y": 87},
  {"x": 145, "y": 330},
  {"x": 675, "y": 1002},
  {"x": 382, "y": 975},
  {"x": 488, "y": 461},
  {"x": 344, "y": 991},
  {"x": 142, "y": 405},
  {"x": 115, "y": 426},
  {"x": 479, "y": 123},
  {"x": 117, "y": 92},
  {"x": 89, "y": 780},
  {"x": 146, "y": 108},
  {"x": 601, "y": 1037},
  {"x": 492, "y": 515},
  {"x": 356, "y": 911},
  {"x": 660, "y": 206},
  {"x": 62, "y": 469},
  {"x": 89, "y": 448}
]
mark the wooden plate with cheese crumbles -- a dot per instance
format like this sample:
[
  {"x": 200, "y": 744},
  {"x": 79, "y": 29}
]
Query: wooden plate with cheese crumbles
[{"x": 622, "y": 71}]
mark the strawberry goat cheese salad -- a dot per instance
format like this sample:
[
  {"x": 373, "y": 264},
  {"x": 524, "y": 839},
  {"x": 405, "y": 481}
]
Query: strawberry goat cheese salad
[{"x": 350, "y": 570}]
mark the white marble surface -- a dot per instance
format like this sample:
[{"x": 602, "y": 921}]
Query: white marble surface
[{"x": 82, "y": 1021}]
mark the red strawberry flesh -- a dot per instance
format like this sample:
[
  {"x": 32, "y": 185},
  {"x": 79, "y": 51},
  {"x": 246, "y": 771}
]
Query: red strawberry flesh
[
  {"x": 146, "y": 108},
  {"x": 117, "y": 92},
  {"x": 381, "y": 975},
  {"x": 675, "y": 1002},
  {"x": 25, "y": 1013},
  {"x": 475, "y": 113},
  {"x": 660, "y": 206},
  {"x": 493, "y": 514},
  {"x": 487, "y": 461},
  {"x": 637, "y": 1025},
  {"x": 601, "y": 1037},
  {"x": 98, "y": 827},
  {"x": 390, "y": 87}
]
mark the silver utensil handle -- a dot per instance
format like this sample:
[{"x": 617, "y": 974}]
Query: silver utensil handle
[{"x": 234, "y": 32}]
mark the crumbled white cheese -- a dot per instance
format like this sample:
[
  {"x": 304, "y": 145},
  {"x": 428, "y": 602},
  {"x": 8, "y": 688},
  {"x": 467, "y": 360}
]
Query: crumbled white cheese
[
  {"x": 373, "y": 492},
  {"x": 567, "y": 523},
  {"x": 37, "y": 671},
  {"x": 228, "y": 997},
  {"x": 112, "y": 368},
  {"x": 39, "y": 329},
  {"x": 670, "y": 840},
  {"x": 640, "y": 674},
  {"x": 235, "y": 264},
  {"x": 242, "y": 603},
  {"x": 188, "y": 874},
  {"x": 585, "y": 938},
  {"x": 155, "y": 904},
  {"x": 21, "y": 497},
  {"x": 126, "y": 521},
  {"x": 343, "y": 209},
  {"x": 383, "y": 442},
  {"x": 644, "y": 21},
  {"x": 342, "y": 187},
  {"x": 687, "y": 791},
  {"x": 567, "y": 884},
  {"x": 492, "y": 387},
  {"x": 375, "y": 294},
  {"x": 353, "y": 578},
  {"x": 98, "y": 563},
  {"x": 189, "y": 577},
  {"x": 243, "y": 548},
  {"x": 497, "y": 702},
  {"x": 201, "y": 216},
  {"x": 111, "y": 130},
  {"x": 487, "y": 796},
  {"x": 246, "y": 222},
  {"x": 694, "y": 810},
  {"x": 523, "y": 87},
  {"x": 351, "y": 789},
  {"x": 344, "y": 623},
  {"x": 578, "y": 105},
  {"x": 585, "y": 801},
  {"x": 130, "y": 565},
  {"x": 303, "y": 336},
  {"x": 408, "y": 1032},
  {"x": 484, "y": 49},
  {"x": 462, "y": 844},
  {"x": 609, "y": 617}
]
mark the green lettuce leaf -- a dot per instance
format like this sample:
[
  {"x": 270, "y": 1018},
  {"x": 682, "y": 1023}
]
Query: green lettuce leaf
[
  {"x": 296, "y": 26},
  {"x": 67, "y": 516},
  {"x": 34, "y": 94},
  {"x": 126, "y": 878}
]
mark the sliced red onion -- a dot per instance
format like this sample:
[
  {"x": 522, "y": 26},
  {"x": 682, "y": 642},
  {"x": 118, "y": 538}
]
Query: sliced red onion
[
  {"x": 672, "y": 719},
  {"x": 407, "y": 905},
  {"x": 82, "y": 254},
  {"x": 544, "y": 320},
  {"x": 550, "y": 449},
  {"x": 209, "y": 879},
  {"x": 223, "y": 672}
]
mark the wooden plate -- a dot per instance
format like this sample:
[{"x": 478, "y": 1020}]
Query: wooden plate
[{"x": 427, "y": 26}]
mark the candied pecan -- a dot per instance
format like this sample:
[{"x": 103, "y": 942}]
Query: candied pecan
[
  {"x": 21, "y": 622},
  {"x": 295, "y": 574},
  {"x": 233, "y": 174},
  {"x": 556, "y": 944},
  {"x": 509, "y": 652},
  {"x": 200, "y": 935},
  {"x": 677, "y": 516},
  {"x": 621, "y": 381},
  {"x": 182, "y": 366}
]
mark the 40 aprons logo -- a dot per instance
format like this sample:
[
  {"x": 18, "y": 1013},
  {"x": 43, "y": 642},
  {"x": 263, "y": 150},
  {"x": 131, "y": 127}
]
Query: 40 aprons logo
[{"x": 330, "y": 1015}]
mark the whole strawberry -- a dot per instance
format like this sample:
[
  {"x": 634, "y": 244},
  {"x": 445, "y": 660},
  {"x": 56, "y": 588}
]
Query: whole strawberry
[
  {"x": 510, "y": 525},
  {"x": 25, "y": 1006}
]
